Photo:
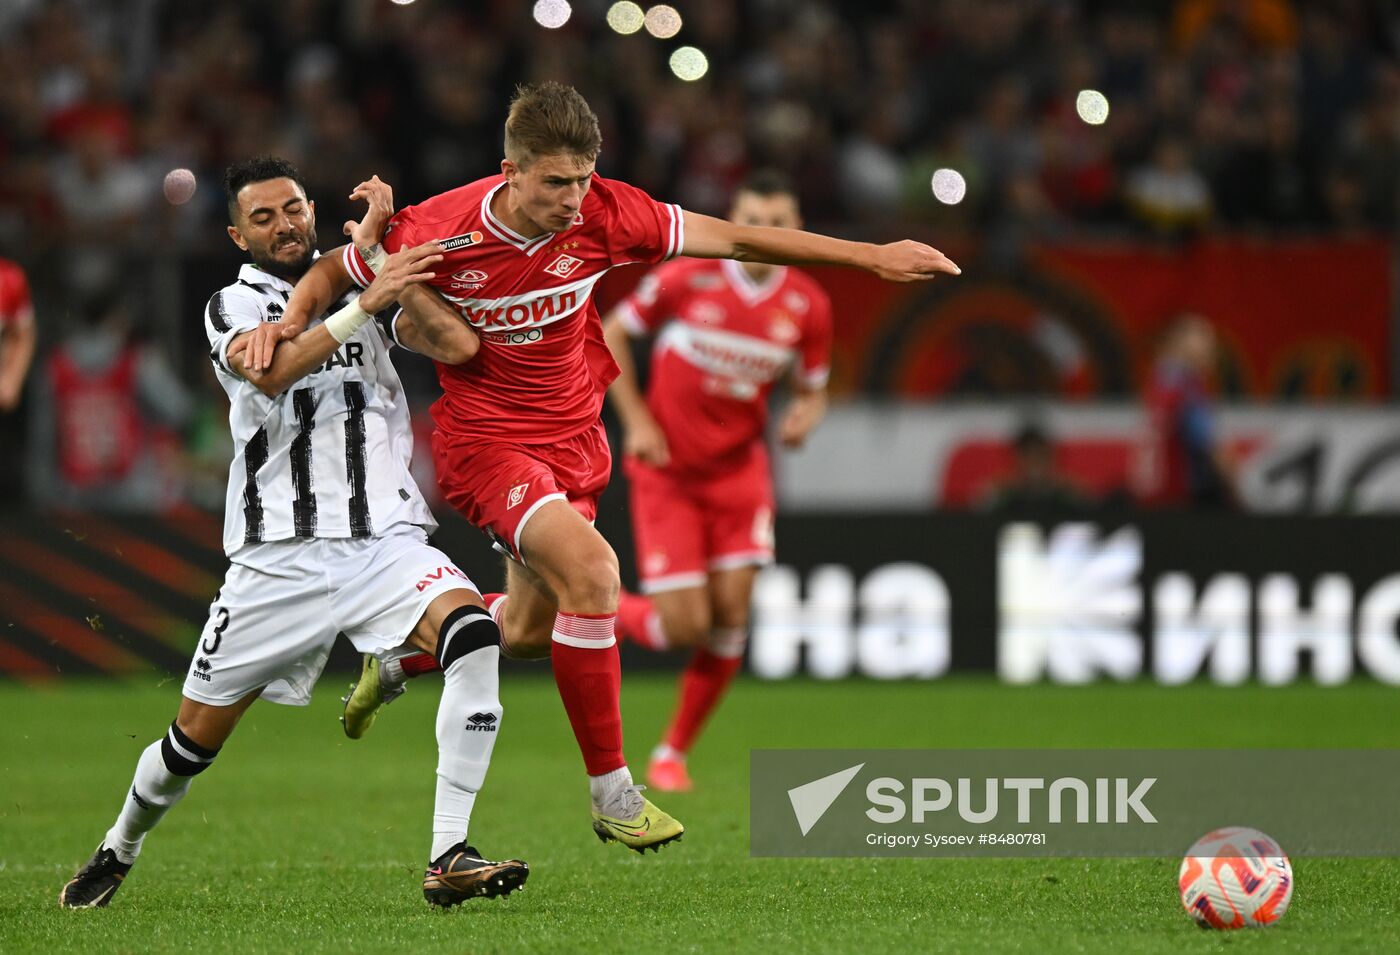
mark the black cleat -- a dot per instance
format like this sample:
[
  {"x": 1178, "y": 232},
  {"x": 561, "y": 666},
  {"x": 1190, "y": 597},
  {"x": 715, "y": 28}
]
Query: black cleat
[
  {"x": 95, "y": 883},
  {"x": 461, "y": 873}
]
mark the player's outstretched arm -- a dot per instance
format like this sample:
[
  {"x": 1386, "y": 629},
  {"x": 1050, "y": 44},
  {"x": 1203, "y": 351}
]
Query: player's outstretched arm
[
  {"x": 642, "y": 436},
  {"x": 907, "y": 261},
  {"x": 296, "y": 358}
]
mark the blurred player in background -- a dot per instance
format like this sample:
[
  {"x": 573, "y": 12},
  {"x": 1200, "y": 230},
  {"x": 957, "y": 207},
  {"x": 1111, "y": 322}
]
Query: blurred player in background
[
  {"x": 1182, "y": 463},
  {"x": 17, "y": 334},
  {"x": 326, "y": 533},
  {"x": 696, "y": 455},
  {"x": 518, "y": 441}
]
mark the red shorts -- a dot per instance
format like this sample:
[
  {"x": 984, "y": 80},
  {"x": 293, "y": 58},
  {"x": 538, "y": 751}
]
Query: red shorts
[
  {"x": 498, "y": 486},
  {"x": 685, "y": 527}
]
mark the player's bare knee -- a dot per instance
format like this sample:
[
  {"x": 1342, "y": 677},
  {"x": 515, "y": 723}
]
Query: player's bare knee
[
  {"x": 592, "y": 585},
  {"x": 211, "y": 726},
  {"x": 731, "y": 617},
  {"x": 686, "y": 633}
]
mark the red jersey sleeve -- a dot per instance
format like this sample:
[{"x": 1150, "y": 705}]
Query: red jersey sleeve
[
  {"x": 15, "y": 303},
  {"x": 399, "y": 236},
  {"x": 816, "y": 340},
  {"x": 654, "y": 301},
  {"x": 639, "y": 228}
]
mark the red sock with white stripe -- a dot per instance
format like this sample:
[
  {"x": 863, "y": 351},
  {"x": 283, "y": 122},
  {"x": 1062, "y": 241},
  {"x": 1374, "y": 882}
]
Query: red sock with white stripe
[
  {"x": 703, "y": 685},
  {"x": 638, "y": 621},
  {"x": 589, "y": 678},
  {"x": 416, "y": 664}
]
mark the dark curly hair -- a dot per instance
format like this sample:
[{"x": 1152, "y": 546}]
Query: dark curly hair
[{"x": 256, "y": 169}]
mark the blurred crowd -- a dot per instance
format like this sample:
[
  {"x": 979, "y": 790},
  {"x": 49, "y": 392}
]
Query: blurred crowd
[{"x": 1222, "y": 115}]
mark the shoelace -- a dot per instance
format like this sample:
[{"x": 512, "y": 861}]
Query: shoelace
[{"x": 626, "y": 803}]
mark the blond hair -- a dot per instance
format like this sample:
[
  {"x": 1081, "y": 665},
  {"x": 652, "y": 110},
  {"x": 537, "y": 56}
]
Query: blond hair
[{"x": 549, "y": 119}]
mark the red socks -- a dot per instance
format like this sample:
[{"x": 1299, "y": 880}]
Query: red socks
[
  {"x": 703, "y": 683},
  {"x": 589, "y": 678},
  {"x": 417, "y": 664}
]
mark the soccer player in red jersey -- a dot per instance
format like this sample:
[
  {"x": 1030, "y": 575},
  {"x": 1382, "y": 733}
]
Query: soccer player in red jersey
[
  {"x": 518, "y": 442},
  {"x": 696, "y": 458},
  {"x": 17, "y": 334}
]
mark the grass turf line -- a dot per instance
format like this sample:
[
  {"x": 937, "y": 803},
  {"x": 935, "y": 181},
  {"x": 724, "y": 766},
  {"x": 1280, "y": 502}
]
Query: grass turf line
[{"x": 298, "y": 839}]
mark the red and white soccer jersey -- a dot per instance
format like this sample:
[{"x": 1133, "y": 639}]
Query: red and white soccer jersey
[
  {"x": 543, "y": 368},
  {"x": 722, "y": 343},
  {"x": 15, "y": 304}
]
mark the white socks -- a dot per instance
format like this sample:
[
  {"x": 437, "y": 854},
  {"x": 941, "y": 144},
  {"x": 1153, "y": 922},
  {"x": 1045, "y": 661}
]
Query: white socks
[
  {"x": 609, "y": 793},
  {"x": 468, "y": 719},
  {"x": 391, "y": 671},
  {"x": 163, "y": 776}
]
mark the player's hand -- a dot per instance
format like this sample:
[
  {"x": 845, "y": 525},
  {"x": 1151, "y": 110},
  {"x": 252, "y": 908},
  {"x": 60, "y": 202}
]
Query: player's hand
[
  {"x": 261, "y": 342},
  {"x": 794, "y": 427},
  {"x": 644, "y": 440},
  {"x": 802, "y": 415},
  {"x": 9, "y": 393},
  {"x": 370, "y": 229},
  {"x": 404, "y": 268},
  {"x": 909, "y": 261}
]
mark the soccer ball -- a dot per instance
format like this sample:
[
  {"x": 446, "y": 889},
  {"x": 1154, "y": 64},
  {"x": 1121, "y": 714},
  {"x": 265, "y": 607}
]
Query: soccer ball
[{"x": 1235, "y": 878}]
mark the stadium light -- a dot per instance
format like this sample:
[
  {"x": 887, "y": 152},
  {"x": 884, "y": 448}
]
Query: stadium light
[
  {"x": 625, "y": 17},
  {"x": 949, "y": 186},
  {"x": 1092, "y": 107},
  {"x": 401, "y": 3},
  {"x": 689, "y": 64},
  {"x": 552, "y": 14},
  {"x": 663, "y": 22}
]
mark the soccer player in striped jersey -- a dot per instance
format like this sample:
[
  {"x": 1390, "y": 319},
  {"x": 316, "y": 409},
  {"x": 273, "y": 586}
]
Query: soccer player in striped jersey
[
  {"x": 326, "y": 533},
  {"x": 695, "y": 455},
  {"x": 518, "y": 441}
]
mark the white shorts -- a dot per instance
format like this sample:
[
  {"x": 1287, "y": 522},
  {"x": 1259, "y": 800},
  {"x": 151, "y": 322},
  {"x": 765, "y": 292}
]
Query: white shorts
[{"x": 282, "y": 604}]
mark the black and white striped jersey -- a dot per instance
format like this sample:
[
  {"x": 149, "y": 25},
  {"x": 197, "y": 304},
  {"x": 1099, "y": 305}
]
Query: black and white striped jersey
[{"x": 330, "y": 456}]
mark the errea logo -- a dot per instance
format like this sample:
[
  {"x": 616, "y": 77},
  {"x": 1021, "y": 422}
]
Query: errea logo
[
  {"x": 481, "y": 723},
  {"x": 564, "y": 266}
]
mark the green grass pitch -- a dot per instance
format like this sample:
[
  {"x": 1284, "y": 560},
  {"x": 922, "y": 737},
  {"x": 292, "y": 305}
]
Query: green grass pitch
[{"x": 300, "y": 840}]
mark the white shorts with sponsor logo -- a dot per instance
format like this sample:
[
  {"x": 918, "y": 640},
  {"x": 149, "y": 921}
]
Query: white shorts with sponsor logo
[{"x": 282, "y": 604}]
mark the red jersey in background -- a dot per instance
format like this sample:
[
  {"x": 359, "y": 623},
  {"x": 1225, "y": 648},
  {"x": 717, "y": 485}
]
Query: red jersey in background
[{"x": 723, "y": 341}]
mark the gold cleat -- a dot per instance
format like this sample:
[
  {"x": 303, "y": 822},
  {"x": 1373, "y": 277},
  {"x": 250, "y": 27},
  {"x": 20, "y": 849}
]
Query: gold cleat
[
  {"x": 367, "y": 695},
  {"x": 650, "y": 828}
]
